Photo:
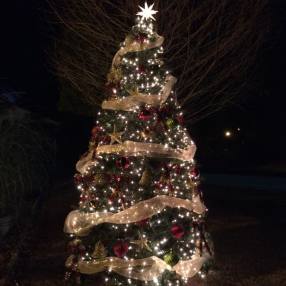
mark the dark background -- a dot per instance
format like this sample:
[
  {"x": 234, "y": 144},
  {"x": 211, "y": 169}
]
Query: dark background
[
  {"x": 27, "y": 42},
  {"x": 246, "y": 223}
]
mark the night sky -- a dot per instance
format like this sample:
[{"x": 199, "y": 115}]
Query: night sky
[
  {"x": 26, "y": 45},
  {"x": 25, "y": 65}
]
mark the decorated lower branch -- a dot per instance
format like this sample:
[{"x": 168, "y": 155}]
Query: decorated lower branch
[
  {"x": 146, "y": 269},
  {"x": 80, "y": 223}
]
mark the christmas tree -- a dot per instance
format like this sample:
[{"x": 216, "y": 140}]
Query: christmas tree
[{"x": 141, "y": 217}]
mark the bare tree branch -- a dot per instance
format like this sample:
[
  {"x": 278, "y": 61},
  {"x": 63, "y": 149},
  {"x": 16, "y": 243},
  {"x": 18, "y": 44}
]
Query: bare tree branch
[{"x": 210, "y": 45}]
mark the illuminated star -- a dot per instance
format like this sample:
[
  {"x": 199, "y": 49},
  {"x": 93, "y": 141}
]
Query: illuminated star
[
  {"x": 115, "y": 136},
  {"x": 147, "y": 12},
  {"x": 142, "y": 242},
  {"x": 135, "y": 92}
]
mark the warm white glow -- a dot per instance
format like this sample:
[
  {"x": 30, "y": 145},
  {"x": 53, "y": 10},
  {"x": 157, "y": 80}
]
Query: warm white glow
[
  {"x": 228, "y": 133},
  {"x": 147, "y": 12}
]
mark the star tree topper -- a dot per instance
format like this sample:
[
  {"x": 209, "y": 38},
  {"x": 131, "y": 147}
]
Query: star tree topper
[{"x": 147, "y": 12}]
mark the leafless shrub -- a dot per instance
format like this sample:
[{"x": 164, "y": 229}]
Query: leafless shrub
[
  {"x": 26, "y": 156},
  {"x": 210, "y": 45}
]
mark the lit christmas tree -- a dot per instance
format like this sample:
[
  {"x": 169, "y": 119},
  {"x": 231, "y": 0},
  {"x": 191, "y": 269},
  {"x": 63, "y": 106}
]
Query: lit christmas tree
[{"x": 141, "y": 218}]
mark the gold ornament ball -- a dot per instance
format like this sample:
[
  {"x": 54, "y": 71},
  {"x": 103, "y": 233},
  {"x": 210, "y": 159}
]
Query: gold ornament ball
[
  {"x": 170, "y": 258},
  {"x": 170, "y": 123}
]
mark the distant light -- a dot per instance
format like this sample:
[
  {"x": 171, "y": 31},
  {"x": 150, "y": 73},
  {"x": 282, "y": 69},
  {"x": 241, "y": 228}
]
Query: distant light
[
  {"x": 238, "y": 129},
  {"x": 227, "y": 134}
]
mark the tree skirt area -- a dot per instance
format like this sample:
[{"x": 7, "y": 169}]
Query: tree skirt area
[{"x": 247, "y": 226}]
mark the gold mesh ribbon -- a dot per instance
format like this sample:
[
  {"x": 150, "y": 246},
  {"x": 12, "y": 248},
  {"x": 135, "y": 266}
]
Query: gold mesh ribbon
[
  {"x": 86, "y": 161},
  {"x": 131, "y": 148},
  {"x": 129, "y": 103},
  {"x": 132, "y": 46},
  {"x": 146, "y": 269},
  {"x": 81, "y": 223}
]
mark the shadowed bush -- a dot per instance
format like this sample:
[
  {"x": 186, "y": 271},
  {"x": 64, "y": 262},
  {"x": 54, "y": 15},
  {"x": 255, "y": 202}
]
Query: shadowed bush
[{"x": 26, "y": 158}]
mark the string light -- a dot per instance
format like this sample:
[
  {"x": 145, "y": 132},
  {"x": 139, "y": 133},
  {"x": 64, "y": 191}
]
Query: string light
[{"x": 121, "y": 190}]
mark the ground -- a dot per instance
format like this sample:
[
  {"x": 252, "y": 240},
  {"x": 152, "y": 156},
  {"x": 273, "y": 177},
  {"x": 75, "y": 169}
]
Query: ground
[{"x": 247, "y": 226}]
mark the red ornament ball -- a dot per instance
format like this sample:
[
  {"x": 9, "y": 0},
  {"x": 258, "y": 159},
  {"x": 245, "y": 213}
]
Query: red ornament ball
[
  {"x": 177, "y": 168},
  {"x": 141, "y": 38},
  {"x": 78, "y": 179},
  {"x": 120, "y": 249},
  {"x": 141, "y": 69},
  {"x": 104, "y": 140},
  {"x": 116, "y": 179},
  {"x": 95, "y": 131},
  {"x": 123, "y": 163},
  {"x": 195, "y": 172},
  {"x": 143, "y": 222},
  {"x": 180, "y": 119},
  {"x": 145, "y": 115},
  {"x": 177, "y": 231}
]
